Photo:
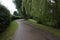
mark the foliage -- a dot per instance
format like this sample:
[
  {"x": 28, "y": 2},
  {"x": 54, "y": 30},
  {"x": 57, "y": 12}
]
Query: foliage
[
  {"x": 15, "y": 17},
  {"x": 24, "y": 15},
  {"x": 36, "y": 9},
  {"x": 4, "y": 17},
  {"x": 57, "y": 3},
  {"x": 15, "y": 13},
  {"x": 18, "y": 5},
  {"x": 43, "y": 11}
]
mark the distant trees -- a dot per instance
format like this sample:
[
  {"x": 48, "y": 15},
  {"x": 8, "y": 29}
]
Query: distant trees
[
  {"x": 18, "y": 5},
  {"x": 15, "y": 16},
  {"x": 15, "y": 13}
]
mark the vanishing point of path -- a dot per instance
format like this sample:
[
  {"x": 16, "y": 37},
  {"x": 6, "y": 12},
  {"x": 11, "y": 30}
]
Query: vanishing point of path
[{"x": 27, "y": 31}]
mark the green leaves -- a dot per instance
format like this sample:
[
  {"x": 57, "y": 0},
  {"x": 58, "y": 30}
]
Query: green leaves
[
  {"x": 43, "y": 11},
  {"x": 4, "y": 17},
  {"x": 18, "y": 5}
]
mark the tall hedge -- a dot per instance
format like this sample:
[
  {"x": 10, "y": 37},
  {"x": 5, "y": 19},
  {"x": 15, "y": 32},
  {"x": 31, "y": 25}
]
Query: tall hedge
[{"x": 4, "y": 17}]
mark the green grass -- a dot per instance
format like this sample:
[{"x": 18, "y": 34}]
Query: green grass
[
  {"x": 7, "y": 34},
  {"x": 54, "y": 31}
]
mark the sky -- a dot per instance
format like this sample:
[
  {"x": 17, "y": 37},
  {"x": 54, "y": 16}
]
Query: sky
[{"x": 9, "y": 4}]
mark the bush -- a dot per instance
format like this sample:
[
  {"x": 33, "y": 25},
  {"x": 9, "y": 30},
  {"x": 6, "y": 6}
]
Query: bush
[
  {"x": 15, "y": 17},
  {"x": 4, "y": 18}
]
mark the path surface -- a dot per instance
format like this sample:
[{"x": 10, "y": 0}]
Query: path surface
[{"x": 27, "y": 31}]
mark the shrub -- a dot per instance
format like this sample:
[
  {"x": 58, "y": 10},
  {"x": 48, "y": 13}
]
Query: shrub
[
  {"x": 4, "y": 18},
  {"x": 15, "y": 17}
]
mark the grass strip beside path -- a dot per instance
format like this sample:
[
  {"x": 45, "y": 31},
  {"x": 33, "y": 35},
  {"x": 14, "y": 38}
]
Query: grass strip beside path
[
  {"x": 8, "y": 33},
  {"x": 54, "y": 31}
]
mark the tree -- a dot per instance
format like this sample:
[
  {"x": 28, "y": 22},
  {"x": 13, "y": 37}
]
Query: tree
[
  {"x": 24, "y": 15},
  {"x": 57, "y": 4},
  {"x": 18, "y": 4},
  {"x": 46, "y": 12},
  {"x": 15, "y": 13}
]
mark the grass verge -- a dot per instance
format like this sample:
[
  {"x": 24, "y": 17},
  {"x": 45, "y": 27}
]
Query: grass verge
[
  {"x": 54, "y": 31},
  {"x": 7, "y": 34}
]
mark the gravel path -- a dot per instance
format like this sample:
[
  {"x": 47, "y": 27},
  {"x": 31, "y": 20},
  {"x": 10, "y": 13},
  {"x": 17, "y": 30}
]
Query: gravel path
[{"x": 27, "y": 31}]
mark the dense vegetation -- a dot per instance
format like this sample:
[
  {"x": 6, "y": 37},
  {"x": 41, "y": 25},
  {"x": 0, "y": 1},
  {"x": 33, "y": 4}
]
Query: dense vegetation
[
  {"x": 15, "y": 13},
  {"x": 5, "y": 17},
  {"x": 7, "y": 26},
  {"x": 45, "y": 12},
  {"x": 18, "y": 5},
  {"x": 15, "y": 16}
]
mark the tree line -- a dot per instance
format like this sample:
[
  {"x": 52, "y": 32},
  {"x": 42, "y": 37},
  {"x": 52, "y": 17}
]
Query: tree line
[{"x": 46, "y": 12}]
